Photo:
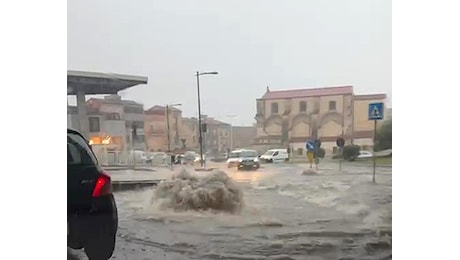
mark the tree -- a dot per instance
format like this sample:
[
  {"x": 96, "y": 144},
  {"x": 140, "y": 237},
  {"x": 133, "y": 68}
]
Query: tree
[
  {"x": 383, "y": 139},
  {"x": 350, "y": 152}
]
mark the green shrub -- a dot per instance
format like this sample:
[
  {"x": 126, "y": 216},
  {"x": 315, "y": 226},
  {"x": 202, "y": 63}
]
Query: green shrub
[
  {"x": 350, "y": 152},
  {"x": 383, "y": 140}
]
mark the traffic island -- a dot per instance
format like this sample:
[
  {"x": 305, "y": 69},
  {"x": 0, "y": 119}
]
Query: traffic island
[
  {"x": 134, "y": 185},
  {"x": 123, "y": 168},
  {"x": 204, "y": 169}
]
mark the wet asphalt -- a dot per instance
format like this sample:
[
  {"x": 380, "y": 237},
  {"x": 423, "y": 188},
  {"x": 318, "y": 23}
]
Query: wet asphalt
[{"x": 286, "y": 215}]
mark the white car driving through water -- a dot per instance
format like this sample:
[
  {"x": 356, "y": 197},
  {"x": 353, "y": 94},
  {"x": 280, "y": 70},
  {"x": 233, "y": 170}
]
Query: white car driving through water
[
  {"x": 275, "y": 155},
  {"x": 243, "y": 159}
]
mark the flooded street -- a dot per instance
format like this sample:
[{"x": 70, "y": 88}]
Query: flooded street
[{"x": 285, "y": 215}]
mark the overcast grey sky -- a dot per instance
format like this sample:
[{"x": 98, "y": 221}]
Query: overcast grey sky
[{"x": 251, "y": 43}]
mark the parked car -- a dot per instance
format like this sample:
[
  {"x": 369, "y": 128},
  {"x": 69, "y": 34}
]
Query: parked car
[
  {"x": 243, "y": 159},
  {"x": 147, "y": 157},
  {"x": 275, "y": 155},
  {"x": 92, "y": 218},
  {"x": 138, "y": 155},
  {"x": 364, "y": 155},
  {"x": 198, "y": 158},
  {"x": 219, "y": 158}
]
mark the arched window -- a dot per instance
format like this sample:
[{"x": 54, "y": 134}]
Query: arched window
[
  {"x": 332, "y": 105},
  {"x": 303, "y": 106},
  {"x": 274, "y": 108}
]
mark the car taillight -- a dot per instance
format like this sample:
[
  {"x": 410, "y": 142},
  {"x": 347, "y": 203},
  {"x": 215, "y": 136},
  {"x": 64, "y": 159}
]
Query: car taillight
[{"x": 103, "y": 185}]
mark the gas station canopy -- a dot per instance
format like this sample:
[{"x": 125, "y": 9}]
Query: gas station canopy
[{"x": 94, "y": 83}]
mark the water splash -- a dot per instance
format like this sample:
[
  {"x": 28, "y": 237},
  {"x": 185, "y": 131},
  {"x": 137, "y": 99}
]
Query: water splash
[{"x": 184, "y": 192}]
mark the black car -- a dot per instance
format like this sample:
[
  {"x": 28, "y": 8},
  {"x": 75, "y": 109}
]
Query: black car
[
  {"x": 243, "y": 160},
  {"x": 92, "y": 219}
]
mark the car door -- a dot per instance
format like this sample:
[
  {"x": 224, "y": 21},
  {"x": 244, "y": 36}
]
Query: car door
[
  {"x": 82, "y": 173},
  {"x": 276, "y": 156}
]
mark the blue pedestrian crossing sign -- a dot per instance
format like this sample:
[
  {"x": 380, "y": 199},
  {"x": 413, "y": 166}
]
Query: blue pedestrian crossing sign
[
  {"x": 375, "y": 111},
  {"x": 310, "y": 145}
]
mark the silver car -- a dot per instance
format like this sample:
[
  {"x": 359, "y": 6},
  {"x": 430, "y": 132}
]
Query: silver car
[{"x": 243, "y": 159}]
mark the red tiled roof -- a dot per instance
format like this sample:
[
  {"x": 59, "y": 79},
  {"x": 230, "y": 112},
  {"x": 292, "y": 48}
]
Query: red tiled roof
[
  {"x": 160, "y": 109},
  {"x": 112, "y": 101},
  {"x": 308, "y": 92},
  {"x": 212, "y": 121},
  {"x": 370, "y": 96}
]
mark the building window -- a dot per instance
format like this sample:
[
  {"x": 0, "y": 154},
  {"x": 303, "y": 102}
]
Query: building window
[
  {"x": 94, "y": 124},
  {"x": 274, "y": 108},
  {"x": 299, "y": 151},
  {"x": 113, "y": 116},
  {"x": 303, "y": 106},
  {"x": 133, "y": 110},
  {"x": 332, "y": 105}
]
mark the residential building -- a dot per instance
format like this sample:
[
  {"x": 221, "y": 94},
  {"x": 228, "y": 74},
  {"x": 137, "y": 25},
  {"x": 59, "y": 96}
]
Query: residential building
[
  {"x": 217, "y": 135},
  {"x": 156, "y": 129},
  {"x": 190, "y": 133},
  {"x": 387, "y": 114},
  {"x": 110, "y": 120},
  {"x": 243, "y": 136},
  {"x": 104, "y": 131},
  {"x": 287, "y": 118},
  {"x": 121, "y": 117},
  {"x": 363, "y": 128},
  {"x": 134, "y": 119}
]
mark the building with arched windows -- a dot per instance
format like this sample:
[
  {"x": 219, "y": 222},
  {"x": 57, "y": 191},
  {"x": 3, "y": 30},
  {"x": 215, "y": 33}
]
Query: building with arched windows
[{"x": 287, "y": 118}]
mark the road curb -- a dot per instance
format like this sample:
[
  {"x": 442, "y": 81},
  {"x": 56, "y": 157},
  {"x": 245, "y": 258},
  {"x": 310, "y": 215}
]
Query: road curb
[
  {"x": 127, "y": 168},
  {"x": 133, "y": 185},
  {"x": 204, "y": 169}
]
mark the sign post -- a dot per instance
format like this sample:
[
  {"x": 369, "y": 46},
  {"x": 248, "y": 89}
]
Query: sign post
[
  {"x": 375, "y": 113},
  {"x": 310, "y": 146},
  {"x": 340, "y": 143}
]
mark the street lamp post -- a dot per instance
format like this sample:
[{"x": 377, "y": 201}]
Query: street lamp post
[
  {"x": 167, "y": 129},
  {"x": 231, "y": 131},
  {"x": 200, "y": 139}
]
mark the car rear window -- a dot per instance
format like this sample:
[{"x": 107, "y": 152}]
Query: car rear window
[
  {"x": 78, "y": 151},
  {"x": 248, "y": 154}
]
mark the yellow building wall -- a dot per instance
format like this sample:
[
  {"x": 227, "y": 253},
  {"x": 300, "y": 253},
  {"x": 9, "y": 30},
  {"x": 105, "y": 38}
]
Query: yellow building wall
[
  {"x": 324, "y": 103},
  {"x": 301, "y": 129},
  {"x": 331, "y": 128},
  {"x": 260, "y": 132},
  {"x": 310, "y": 104},
  {"x": 273, "y": 129},
  {"x": 268, "y": 107},
  {"x": 361, "y": 110}
]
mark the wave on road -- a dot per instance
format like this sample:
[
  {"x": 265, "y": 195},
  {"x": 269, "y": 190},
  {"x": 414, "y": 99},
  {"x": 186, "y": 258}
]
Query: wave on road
[
  {"x": 216, "y": 191},
  {"x": 352, "y": 195}
]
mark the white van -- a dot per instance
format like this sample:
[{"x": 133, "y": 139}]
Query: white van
[{"x": 275, "y": 155}]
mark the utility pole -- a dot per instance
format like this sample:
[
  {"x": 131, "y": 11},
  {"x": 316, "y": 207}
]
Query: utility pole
[
  {"x": 133, "y": 135},
  {"x": 200, "y": 139},
  {"x": 167, "y": 129},
  {"x": 168, "y": 132}
]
